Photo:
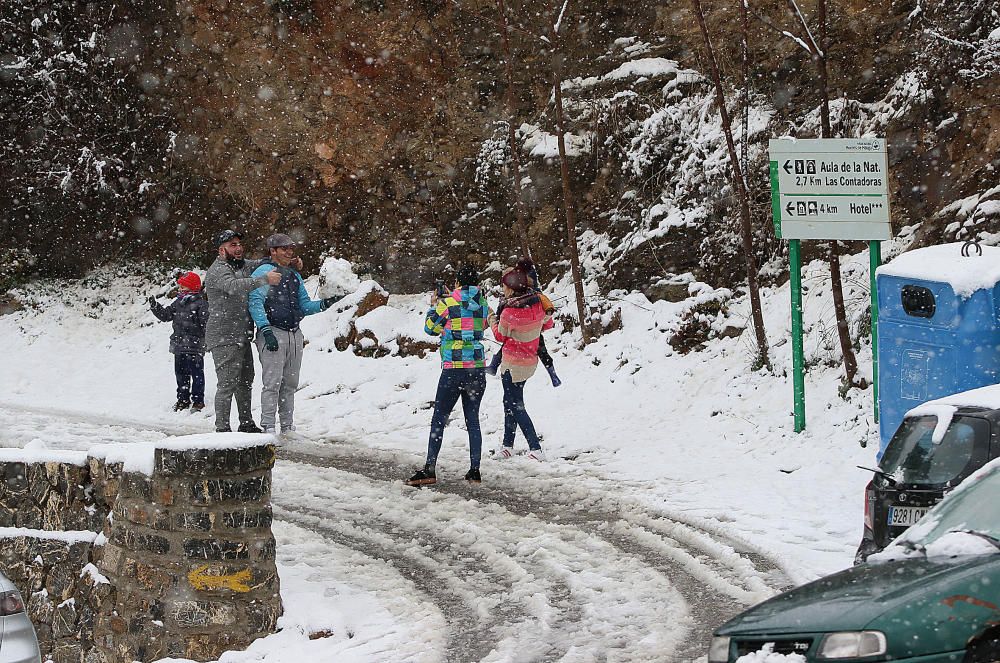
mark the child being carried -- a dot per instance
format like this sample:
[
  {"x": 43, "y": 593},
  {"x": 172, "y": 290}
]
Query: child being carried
[{"x": 527, "y": 266}]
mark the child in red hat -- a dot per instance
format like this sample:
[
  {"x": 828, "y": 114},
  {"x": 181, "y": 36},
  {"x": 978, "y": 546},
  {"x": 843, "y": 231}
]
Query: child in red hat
[{"x": 189, "y": 315}]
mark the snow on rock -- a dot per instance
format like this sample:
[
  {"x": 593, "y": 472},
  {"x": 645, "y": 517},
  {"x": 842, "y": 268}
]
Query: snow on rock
[
  {"x": 140, "y": 457},
  {"x": 34, "y": 452},
  {"x": 647, "y": 68},
  {"x": 543, "y": 145},
  {"x": 72, "y": 536},
  {"x": 945, "y": 263},
  {"x": 96, "y": 577},
  {"x": 337, "y": 278}
]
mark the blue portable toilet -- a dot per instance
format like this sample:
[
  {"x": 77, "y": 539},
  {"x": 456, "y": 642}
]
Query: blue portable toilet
[{"x": 938, "y": 327}]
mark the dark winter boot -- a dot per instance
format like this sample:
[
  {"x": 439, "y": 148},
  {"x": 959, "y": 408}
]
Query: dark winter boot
[
  {"x": 495, "y": 363},
  {"x": 197, "y": 407},
  {"x": 472, "y": 476},
  {"x": 552, "y": 374},
  {"x": 424, "y": 477},
  {"x": 249, "y": 427},
  {"x": 181, "y": 405}
]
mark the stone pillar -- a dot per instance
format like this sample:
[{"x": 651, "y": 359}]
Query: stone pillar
[{"x": 191, "y": 555}]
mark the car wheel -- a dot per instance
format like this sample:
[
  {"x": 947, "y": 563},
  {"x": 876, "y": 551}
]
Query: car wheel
[
  {"x": 867, "y": 547},
  {"x": 984, "y": 650}
]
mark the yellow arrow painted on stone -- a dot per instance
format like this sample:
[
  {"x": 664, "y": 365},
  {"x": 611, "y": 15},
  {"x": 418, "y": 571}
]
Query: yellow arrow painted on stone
[{"x": 203, "y": 579}]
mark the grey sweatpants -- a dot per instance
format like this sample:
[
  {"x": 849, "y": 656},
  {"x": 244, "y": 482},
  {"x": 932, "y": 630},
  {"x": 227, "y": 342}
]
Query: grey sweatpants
[
  {"x": 234, "y": 370},
  {"x": 280, "y": 370}
]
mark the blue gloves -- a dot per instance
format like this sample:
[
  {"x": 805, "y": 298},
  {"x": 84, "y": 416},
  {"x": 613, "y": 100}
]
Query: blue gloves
[{"x": 270, "y": 340}]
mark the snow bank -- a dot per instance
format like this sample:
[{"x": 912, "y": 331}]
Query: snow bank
[{"x": 944, "y": 263}]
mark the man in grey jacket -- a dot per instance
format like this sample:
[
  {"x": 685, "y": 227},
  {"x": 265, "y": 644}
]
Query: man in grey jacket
[{"x": 228, "y": 284}]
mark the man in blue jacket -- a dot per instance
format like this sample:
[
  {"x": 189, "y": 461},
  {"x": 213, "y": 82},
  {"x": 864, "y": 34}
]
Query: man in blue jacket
[{"x": 277, "y": 311}]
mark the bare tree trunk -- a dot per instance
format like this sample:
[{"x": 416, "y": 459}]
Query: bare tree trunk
[
  {"x": 515, "y": 156},
  {"x": 843, "y": 330},
  {"x": 745, "y": 48},
  {"x": 739, "y": 185},
  {"x": 568, "y": 204}
]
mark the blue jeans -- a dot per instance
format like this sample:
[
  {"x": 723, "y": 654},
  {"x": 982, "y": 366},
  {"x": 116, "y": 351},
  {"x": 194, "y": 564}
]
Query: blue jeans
[
  {"x": 514, "y": 414},
  {"x": 469, "y": 384},
  {"x": 189, "y": 369}
]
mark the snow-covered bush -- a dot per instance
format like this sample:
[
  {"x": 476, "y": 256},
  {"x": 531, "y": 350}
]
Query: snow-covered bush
[{"x": 16, "y": 265}]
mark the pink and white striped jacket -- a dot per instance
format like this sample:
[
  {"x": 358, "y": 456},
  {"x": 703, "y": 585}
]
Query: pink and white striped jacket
[{"x": 518, "y": 329}]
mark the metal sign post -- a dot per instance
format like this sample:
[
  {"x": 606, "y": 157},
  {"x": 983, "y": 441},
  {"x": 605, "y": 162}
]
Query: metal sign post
[
  {"x": 830, "y": 189},
  {"x": 798, "y": 352},
  {"x": 875, "y": 259}
]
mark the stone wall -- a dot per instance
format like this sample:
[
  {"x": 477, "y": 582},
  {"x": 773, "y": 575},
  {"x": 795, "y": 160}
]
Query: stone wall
[
  {"x": 183, "y": 565},
  {"x": 61, "y": 588},
  {"x": 54, "y": 496}
]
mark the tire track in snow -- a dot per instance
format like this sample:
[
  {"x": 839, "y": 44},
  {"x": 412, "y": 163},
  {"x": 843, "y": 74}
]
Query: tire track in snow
[
  {"x": 715, "y": 575},
  {"x": 513, "y": 587}
]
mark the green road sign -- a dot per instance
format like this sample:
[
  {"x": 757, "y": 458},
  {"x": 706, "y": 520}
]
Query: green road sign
[{"x": 830, "y": 188}]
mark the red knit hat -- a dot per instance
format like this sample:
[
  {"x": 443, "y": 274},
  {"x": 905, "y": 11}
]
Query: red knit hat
[{"x": 189, "y": 281}]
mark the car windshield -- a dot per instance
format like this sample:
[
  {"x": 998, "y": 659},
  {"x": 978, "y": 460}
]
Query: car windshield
[
  {"x": 969, "y": 509},
  {"x": 912, "y": 456}
]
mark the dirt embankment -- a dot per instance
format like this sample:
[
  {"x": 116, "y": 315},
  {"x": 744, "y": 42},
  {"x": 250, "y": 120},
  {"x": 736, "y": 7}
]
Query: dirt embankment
[{"x": 359, "y": 125}]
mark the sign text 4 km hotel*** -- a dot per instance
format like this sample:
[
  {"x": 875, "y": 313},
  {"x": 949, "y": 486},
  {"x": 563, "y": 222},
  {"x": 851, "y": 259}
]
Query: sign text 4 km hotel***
[{"x": 830, "y": 188}]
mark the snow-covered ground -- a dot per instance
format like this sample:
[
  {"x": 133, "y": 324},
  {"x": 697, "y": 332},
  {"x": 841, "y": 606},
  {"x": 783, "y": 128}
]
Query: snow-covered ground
[{"x": 699, "y": 437}]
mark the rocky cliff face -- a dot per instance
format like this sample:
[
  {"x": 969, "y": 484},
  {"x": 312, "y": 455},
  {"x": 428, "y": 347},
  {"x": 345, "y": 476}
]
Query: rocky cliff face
[{"x": 370, "y": 127}]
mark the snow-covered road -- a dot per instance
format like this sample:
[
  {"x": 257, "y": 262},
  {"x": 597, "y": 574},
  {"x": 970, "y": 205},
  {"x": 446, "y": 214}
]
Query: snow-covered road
[{"x": 539, "y": 563}]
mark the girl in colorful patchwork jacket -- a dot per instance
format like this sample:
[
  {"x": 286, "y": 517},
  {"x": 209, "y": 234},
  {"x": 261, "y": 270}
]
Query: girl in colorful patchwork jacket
[
  {"x": 519, "y": 328},
  {"x": 460, "y": 320}
]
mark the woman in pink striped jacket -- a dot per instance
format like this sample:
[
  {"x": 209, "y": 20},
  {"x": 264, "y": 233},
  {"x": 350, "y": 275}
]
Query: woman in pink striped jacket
[{"x": 521, "y": 323}]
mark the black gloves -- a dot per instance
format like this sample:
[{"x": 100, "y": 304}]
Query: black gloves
[
  {"x": 270, "y": 341},
  {"x": 330, "y": 301},
  {"x": 153, "y": 304}
]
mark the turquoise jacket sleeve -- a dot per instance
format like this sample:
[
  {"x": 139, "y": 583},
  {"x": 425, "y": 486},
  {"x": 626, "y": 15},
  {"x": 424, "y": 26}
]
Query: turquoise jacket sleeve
[
  {"x": 256, "y": 300},
  {"x": 309, "y": 305}
]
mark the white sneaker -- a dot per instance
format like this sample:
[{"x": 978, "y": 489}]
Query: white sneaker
[
  {"x": 537, "y": 454},
  {"x": 268, "y": 430},
  {"x": 503, "y": 453}
]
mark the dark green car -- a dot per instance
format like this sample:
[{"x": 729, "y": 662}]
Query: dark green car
[{"x": 932, "y": 596}]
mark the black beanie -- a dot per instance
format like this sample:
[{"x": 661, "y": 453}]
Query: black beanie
[{"x": 467, "y": 275}]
